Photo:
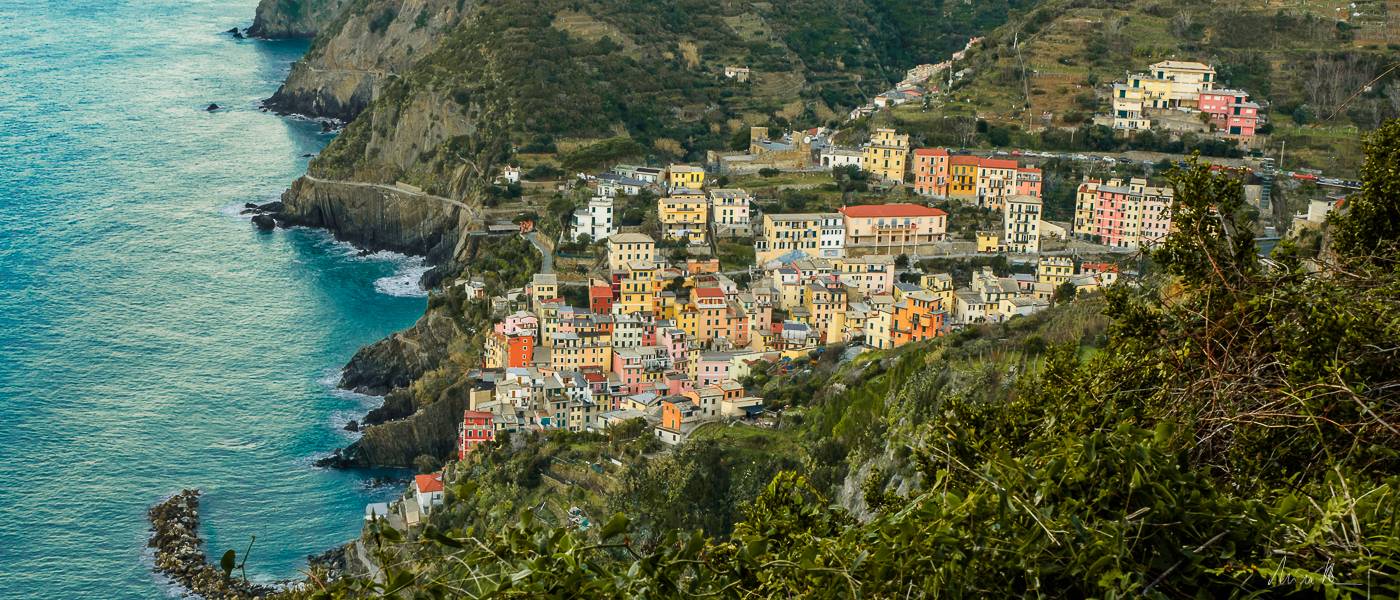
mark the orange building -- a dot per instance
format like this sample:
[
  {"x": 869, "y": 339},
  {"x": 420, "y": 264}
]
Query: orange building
[{"x": 919, "y": 316}]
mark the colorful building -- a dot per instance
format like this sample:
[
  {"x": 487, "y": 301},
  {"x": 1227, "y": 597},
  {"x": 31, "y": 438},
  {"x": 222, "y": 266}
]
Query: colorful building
[
  {"x": 784, "y": 234},
  {"x": 1131, "y": 216},
  {"x": 931, "y": 171},
  {"x": 477, "y": 427},
  {"x": 884, "y": 156},
  {"x": 624, "y": 248},
  {"x": 685, "y": 215},
  {"x": 893, "y": 226},
  {"x": 685, "y": 176}
]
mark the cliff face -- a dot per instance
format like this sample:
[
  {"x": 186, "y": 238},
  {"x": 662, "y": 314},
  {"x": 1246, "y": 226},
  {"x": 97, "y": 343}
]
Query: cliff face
[
  {"x": 357, "y": 50},
  {"x": 432, "y": 430},
  {"x": 277, "y": 19},
  {"x": 396, "y": 361},
  {"x": 379, "y": 217}
]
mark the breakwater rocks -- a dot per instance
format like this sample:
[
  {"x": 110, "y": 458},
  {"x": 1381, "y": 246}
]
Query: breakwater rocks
[{"x": 179, "y": 552}]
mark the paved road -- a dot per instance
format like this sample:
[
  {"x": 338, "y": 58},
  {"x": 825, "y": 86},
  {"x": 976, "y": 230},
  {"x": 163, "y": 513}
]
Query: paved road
[{"x": 546, "y": 263}]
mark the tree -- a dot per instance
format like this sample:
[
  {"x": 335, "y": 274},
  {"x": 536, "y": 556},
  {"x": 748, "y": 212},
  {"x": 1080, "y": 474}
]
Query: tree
[
  {"x": 1367, "y": 228},
  {"x": 1065, "y": 292}
]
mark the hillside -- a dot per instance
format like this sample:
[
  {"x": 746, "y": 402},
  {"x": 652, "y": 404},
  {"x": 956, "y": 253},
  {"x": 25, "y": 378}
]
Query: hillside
[
  {"x": 1226, "y": 429},
  {"x": 1302, "y": 60}
]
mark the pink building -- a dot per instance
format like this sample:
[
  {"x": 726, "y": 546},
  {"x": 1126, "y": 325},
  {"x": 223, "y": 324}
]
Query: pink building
[
  {"x": 638, "y": 369},
  {"x": 1028, "y": 182},
  {"x": 931, "y": 171},
  {"x": 712, "y": 368},
  {"x": 672, "y": 341},
  {"x": 1231, "y": 111}
]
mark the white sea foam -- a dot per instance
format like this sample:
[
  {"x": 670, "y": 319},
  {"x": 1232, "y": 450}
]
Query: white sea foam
[{"x": 404, "y": 282}]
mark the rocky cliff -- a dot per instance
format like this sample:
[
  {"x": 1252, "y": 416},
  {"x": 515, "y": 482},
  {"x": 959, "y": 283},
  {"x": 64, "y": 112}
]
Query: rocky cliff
[
  {"x": 431, "y": 430},
  {"x": 379, "y": 217},
  {"x": 278, "y": 19},
  {"x": 358, "y": 48},
  {"x": 400, "y": 359}
]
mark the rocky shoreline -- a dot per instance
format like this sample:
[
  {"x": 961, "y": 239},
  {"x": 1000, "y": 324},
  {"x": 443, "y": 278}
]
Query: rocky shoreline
[{"x": 179, "y": 553}]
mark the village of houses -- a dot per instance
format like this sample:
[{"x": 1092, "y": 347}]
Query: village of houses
[{"x": 669, "y": 340}]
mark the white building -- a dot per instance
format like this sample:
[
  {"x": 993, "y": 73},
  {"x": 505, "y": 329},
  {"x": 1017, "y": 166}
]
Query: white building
[
  {"x": 832, "y": 243},
  {"x": 594, "y": 220},
  {"x": 1021, "y": 224},
  {"x": 427, "y": 491},
  {"x": 510, "y": 174},
  {"x": 833, "y": 157}
]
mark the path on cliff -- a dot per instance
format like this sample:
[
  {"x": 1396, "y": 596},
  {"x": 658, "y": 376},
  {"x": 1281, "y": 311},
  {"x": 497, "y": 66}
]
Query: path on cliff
[
  {"x": 392, "y": 188},
  {"x": 376, "y": 73},
  {"x": 547, "y": 262}
]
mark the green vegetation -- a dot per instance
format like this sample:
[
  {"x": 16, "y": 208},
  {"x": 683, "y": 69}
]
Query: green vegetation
[
  {"x": 641, "y": 80},
  {"x": 1226, "y": 429}
]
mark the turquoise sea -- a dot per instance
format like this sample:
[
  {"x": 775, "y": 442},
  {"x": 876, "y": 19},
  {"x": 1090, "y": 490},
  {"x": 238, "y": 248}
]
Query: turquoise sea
[{"x": 150, "y": 338}]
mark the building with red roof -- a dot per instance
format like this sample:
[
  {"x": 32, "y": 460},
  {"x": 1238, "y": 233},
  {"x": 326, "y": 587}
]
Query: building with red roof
[
  {"x": 893, "y": 225},
  {"x": 427, "y": 491},
  {"x": 940, "y": 174}
]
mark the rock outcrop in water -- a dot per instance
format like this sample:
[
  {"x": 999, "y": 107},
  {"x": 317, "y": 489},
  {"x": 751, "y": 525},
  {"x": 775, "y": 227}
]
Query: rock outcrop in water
[
  {"x": 431, "y": 430},
  {"x": 179, "y": 552}
]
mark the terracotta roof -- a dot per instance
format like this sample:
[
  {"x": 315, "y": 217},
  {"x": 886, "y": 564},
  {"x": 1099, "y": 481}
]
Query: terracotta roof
[
  {"x": 891, "y": 210},
  {"x": 711, "y": 292},
  {"x": 428, "y": 483},
  {"x": 931, "y": 152},
  {"x": 999, "y": 163},
  {"x": 966, "y": 160}
]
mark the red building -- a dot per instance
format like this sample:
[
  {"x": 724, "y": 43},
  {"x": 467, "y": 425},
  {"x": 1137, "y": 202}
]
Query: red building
[
  {"x": 600, "y": 299},
  {"x": 477, "y": 427}
]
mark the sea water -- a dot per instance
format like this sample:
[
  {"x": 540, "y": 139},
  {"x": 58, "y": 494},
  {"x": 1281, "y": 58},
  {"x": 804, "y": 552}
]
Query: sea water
[{"x": 150, "y": 338}]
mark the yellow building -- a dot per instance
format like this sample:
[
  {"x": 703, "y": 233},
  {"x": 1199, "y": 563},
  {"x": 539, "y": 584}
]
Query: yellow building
[
  {"x": 783, "y": 234},
  {"x": 879, "y": 324},
  {"x": 1054, "y": 270},
  {"x": 625, "y": 248},
  {"x": 823, "y": 303},
  {"x": 1127, "y": 108},
  {"x": 685, "y": 176},
  {"x": 1173, "y": 84},
  {"x": 636, "y": 293},
  {"x": 884, "y": 156},
  {"x": 571, "y": 351},
  {"x": 685, "y": 216},
  {"x": 941, "y": 286},
  {"x": 988, "y": 241},
  {"x": 962, "y": 177}
]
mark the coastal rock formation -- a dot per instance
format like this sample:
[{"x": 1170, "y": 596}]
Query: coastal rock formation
[
  {"x": 279, "y": 19},
  {"x": 358, "y": 48},
  {"x": 395, "y": 361},
  {"x": 179, "y": 552},
  {"x": 377, "y": 217},
  {"x": 432, "y": 430}
]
